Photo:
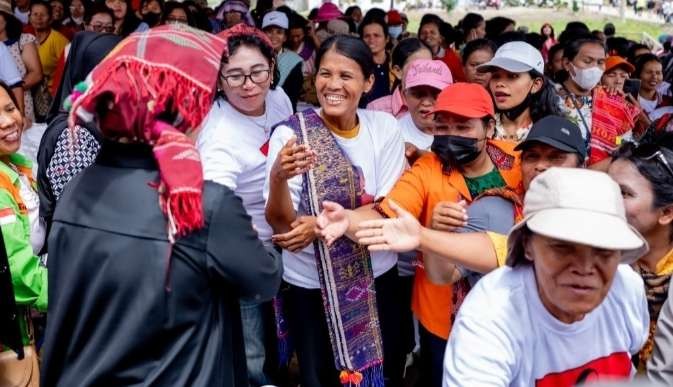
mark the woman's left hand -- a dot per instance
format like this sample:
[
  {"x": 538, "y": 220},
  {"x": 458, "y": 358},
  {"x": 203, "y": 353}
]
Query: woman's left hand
[{"x": 301, "y": 235}]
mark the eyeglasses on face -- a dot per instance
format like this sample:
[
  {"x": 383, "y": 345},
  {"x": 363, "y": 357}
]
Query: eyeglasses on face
[
  {"x": 256, "y": 77},
  {"x": 103, "y": 28}
]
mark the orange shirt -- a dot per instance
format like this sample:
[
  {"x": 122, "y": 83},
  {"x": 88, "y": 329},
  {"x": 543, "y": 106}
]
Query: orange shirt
[{"x": 418, "y": 191}]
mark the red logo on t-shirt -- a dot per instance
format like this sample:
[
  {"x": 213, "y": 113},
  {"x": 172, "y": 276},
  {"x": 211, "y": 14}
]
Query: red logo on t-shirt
[
  {"x": 613, "y": 367},
  {"x": 265, "y": 149}
]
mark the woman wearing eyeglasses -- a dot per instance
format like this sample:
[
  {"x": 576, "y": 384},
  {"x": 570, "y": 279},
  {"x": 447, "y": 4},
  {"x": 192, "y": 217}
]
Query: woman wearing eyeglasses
[
  {"x": 233, "y": 147},
  {"x": 645, "y": 176}
]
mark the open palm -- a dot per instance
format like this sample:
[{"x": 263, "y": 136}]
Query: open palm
[
  {"x": 332, "y": 223},
  {"x": 400, "y": 234}
]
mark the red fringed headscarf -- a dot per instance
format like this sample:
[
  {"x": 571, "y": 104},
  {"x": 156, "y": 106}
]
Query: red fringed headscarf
[{"x": 166, "y": 69}]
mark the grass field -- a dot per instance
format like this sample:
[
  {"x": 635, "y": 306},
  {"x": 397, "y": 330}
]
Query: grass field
[{"x": 533, "y": 18}]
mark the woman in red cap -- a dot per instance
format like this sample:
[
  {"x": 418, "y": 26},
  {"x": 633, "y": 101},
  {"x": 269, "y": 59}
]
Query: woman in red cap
[{"x": 464, "y": 163}]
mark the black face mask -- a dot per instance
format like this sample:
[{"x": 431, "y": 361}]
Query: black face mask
[
  {"x": 152, "y": 19},
  {"x": 455, "y": 150},
  {"x": 514, "y": 112}
]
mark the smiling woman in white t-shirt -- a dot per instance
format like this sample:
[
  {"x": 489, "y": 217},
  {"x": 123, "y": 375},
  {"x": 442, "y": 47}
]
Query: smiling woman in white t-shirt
[
  {"x": 233, "y": 145},
  {"x": 341, "y": 302}
]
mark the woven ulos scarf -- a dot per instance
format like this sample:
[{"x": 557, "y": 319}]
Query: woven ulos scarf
[
  {"x": 143, "y": 77},
  {"x": 345, "y": 271}
]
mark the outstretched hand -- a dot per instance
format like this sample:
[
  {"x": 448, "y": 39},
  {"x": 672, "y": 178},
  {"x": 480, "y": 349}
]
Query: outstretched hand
[
  {"x": 399, "y": 234},
  {"x": 332, "y": 223}
]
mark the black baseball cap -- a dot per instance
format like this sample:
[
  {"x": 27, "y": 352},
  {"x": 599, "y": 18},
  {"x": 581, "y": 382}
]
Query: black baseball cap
[{"x": 557, "y": 132}]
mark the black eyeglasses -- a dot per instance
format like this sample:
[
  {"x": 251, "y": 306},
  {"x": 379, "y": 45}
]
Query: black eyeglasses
[
  {"x": 103, "y": 28},
  {"x": 256, "y": 76}
]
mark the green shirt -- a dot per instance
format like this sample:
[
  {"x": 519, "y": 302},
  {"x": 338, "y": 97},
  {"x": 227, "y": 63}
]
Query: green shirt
[
  {"x": 477, "y": 185},
  {"x": 29, "y": 276}
]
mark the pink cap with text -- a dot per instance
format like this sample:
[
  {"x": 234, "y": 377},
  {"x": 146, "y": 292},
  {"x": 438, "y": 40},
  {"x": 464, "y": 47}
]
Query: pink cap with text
[{"x": 426, "y": 72}]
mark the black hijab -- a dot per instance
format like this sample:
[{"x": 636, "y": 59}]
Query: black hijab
[{"x": 86, "y": 51}]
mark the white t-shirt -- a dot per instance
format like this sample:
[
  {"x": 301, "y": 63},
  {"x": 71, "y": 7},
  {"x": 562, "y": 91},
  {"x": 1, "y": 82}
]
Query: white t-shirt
[
  {"x": 9, "y": 73},
  {"x": 413, "y": 135},
  {"x": 38, "y": 230},
  {"x": 648, "y": 105},
  {"x": 378, "y": 152},
  {"x": 233, "y": 150},
  {"x": 504, "y": 336}
]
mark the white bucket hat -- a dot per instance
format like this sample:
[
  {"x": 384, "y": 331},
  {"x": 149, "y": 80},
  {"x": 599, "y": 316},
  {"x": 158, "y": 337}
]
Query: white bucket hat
[{"x": 579, "y": 206}]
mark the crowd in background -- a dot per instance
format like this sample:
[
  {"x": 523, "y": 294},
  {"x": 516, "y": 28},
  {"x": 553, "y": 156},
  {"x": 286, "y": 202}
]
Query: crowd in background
[{"x": 237, "y": 196}]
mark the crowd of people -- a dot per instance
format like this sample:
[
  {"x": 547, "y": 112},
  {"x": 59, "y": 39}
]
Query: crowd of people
[{"x": 248, "y": 197}]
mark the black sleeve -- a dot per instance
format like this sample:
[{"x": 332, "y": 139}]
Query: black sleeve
[
  {"x": 44, "y": 154},
  {"x": 236, "y": 255},
  {"x": 293, "y": 85}
]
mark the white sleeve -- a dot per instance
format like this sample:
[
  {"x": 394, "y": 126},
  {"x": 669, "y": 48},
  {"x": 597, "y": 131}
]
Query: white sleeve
[
  {"x": 639, "y": 323},
  {"x": 392, "y": 162},
  {"x": 285, "y": 102},
  {"x": 217, "y": 149},
  {"x": 479, "y": 353},
  {"x": 279, "y": 138},
  {"x": 9, "y": 73}
]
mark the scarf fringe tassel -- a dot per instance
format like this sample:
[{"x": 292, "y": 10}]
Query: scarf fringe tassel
[
  {"x": 187, "y": 97},
  {"x": 186, "y": 212},
  {"x": 370, "y": 377}
]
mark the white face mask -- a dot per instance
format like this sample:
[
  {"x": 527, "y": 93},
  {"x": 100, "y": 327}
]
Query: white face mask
[
  {"x": 587, "y": 79},
  {"x": 395, "y": 31}
]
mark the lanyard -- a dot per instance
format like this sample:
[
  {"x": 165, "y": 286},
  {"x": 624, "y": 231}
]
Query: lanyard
[{"x": 579, "y": 112}]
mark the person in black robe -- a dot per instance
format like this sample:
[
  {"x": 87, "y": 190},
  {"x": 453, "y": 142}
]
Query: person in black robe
[{"x": 147, "y": 262}]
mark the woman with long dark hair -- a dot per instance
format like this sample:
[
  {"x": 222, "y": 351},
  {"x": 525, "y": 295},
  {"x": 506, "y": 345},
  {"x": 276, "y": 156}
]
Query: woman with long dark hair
[
  {"x": 644, "y": 173},
  {"x": 547, "y": 32},
  {"x": 473, "y": 26},
  {"x": 350, "y": 156},
  {"x": 126, "y": 21},
  {"x": 521, "y": 92}
]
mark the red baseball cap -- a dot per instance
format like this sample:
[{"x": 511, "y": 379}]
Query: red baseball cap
[
  {"x": 617, "y": 61},
  {"x": 469, "y": 100},
  {"x": 394, "y": 17}
]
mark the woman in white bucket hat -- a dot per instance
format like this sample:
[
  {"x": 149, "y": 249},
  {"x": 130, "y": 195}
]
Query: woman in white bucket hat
[{"x": 563, "y": 310}]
